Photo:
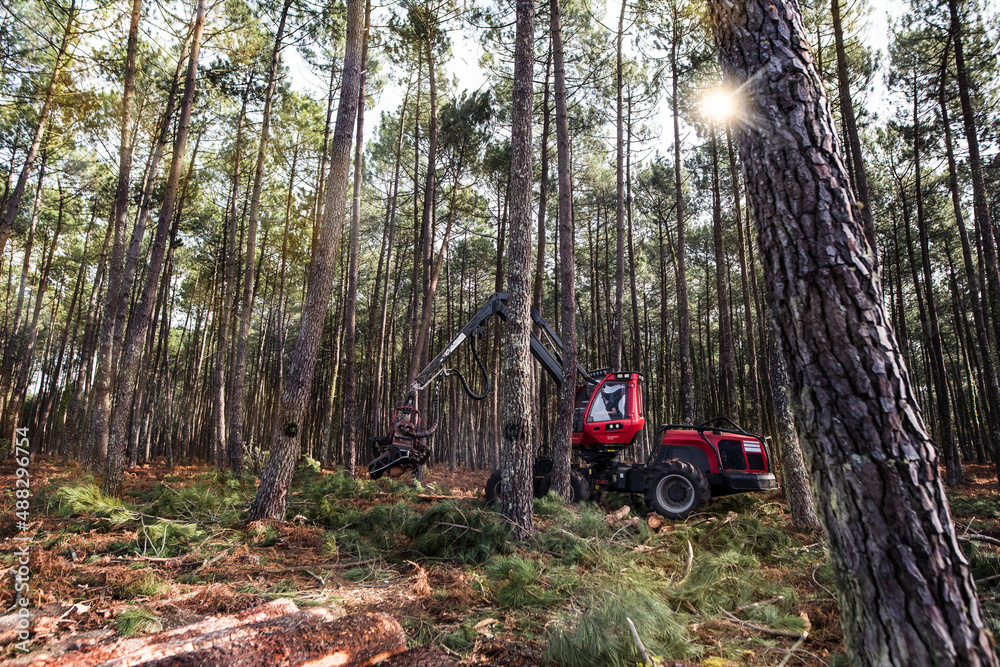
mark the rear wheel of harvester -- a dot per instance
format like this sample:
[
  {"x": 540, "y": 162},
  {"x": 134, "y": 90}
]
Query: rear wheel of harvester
[
  {"x": 677, "y": 490},
  {"x": 493, "y": 488},
  {"x": 579, "y": 488}
]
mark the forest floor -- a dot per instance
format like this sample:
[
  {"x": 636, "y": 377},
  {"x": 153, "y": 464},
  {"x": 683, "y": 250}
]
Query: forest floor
[{"x": 736, "y": 585}]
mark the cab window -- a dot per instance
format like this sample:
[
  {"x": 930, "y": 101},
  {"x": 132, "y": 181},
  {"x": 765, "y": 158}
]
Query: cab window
[
  {"x": 610, "y": 403},
  {"x": 583, "y": 395}
]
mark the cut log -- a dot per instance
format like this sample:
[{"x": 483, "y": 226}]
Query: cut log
[
  {"x": 617, "y": 515},
  {"x": 655, "y": 521},
  {"x": 277, "y": 633}
]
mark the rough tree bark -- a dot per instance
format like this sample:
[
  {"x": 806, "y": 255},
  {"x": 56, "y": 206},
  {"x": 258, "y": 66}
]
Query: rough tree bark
[
  {"x": 515, "y": 420},
  {"x": 906, "y": 593},
  {"x": 272, "y": 494},
  {"x": 562, "y": 447}
]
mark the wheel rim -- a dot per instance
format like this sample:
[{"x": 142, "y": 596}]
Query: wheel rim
[{"x": 675, "y": 493}]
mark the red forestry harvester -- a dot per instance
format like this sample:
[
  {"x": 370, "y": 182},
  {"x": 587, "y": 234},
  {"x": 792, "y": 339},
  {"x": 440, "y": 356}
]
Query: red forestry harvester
[{"x": 691, "y": 464}]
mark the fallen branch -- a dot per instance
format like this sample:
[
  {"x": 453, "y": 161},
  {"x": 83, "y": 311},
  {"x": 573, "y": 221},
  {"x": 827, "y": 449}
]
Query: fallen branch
[
  {"x": 457, "y": 525},
  {"x": 214, "y": 559},
  {"x": 759, "y": 604},
  {"x": 976, "y": 537},
  {"x": 714, "y": 529},
  {"x": 431, "y": 496},
  {"x": 792, "y": 650},
  {"x": 770, "y": 631},
  {"x": 635, "y": 636}
]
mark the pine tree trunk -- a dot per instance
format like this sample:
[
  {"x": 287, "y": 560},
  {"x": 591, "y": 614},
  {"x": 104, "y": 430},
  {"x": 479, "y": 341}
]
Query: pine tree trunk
[
  {"x": 851, "y": 129},
  {"x": 223, "y": 317},
  {"x": 683, "y": 306},
  {"x": 987, "y": 361},
  {"x": 384, "y": 295},
  {"x": 727, "y": 379},
  {"x": 516, "y": 452},
  {"x": 562, "y": 448},
  {"x": 618, "y": 316},
  {"x": 350, "y": 389},
  {"x": 135, "y": 334},
  {"x": 751, "y": 342},
  {"x": 794, "y": 478},
  {"x": 105, "y": 371},
  {"x": 22, "y": 379},
  {"x": 953, "y": 462},
  {"x": 982, "y": 220},
  {"x": 286, "y": 431},
  {"x": 873, "y": 465},
  {"x": 237, "y": 399},
  {"x": 15, "y": 343}
]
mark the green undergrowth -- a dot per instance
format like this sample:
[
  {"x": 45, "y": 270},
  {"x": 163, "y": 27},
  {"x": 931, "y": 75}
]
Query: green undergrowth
[
  {"x": 570, "y": 591},
  {"x": 454, "y": 530},
  {"x": 137, "y": 621}
]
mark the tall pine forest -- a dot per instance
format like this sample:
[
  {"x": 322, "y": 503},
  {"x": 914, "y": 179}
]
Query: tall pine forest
[{"x": 234, "y": 232}]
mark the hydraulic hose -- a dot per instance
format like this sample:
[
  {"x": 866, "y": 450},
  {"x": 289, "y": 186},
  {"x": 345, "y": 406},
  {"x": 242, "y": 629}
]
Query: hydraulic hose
[
  {"x": 437, "y": 411},
  {"x": 482, "y": 368}
]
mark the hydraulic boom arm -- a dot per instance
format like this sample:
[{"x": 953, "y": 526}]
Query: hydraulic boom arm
[
  {"x": 401, "y": 450},
  {"x": 546, "y": 347}
]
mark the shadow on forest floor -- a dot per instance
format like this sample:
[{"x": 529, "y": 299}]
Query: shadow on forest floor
[{"x": 736, "y": 585}]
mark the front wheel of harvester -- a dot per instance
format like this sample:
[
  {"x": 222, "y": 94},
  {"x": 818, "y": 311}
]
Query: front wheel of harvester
[
  {"x": 493, "y": 488},
  {"x": 676, "y": 490},
  {"x": 579, "y": 489}
]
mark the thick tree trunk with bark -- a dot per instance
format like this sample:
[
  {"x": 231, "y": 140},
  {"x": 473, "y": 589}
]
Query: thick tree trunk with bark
[
  {"x": 562, "y": 450},
  {"x": 906, "y": 593},
  {"x": 272, "y": 494},
  {"x": 516, "y": 452}
]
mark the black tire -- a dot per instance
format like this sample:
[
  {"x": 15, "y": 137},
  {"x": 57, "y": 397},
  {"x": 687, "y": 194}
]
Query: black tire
[
  {"x": 493, "y": 488},
  {"x": 676, "y": 490},
  {"x": 579, "y": 489}
]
